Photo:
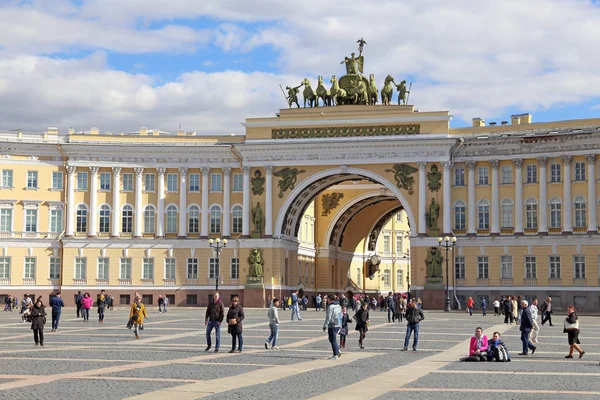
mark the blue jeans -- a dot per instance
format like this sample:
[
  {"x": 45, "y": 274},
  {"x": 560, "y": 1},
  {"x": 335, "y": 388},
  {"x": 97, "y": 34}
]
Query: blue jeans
[
  {"x": 471, "y": 311},
  {"x": 295, "y": 310},
  {"x": 332, "y": 334},
  {"x": 525, "y": 340},
  {"x": 274, "y": 334},
  {"x": 101, "y": 314},
  {"x": 209, "y": 328},
  {"x": 165, "y": 307},
  {"x": 240, "y": 341},
  {"x": 410, "y": 328},
  {"x": 86, "y": 314},
  {"x": 390, "y": 314},
  {"x": 55, "y": 319}
]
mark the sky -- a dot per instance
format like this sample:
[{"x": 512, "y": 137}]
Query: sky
[{"x": 208, "y": 65}]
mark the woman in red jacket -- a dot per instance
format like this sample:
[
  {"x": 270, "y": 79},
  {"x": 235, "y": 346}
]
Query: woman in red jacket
[
  {"x": 470, "y": 305},
  {"x": 478, "y": 347},
  {"x": 86, "y": 304}
]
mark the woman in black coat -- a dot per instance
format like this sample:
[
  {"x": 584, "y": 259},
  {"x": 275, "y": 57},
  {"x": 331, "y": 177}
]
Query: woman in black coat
[
  {"x": 38, "y": 319},
  {"x": 235, "y": 316},
  {"x": 362, "y": 323},
  {"x": 572, "y": 330}
]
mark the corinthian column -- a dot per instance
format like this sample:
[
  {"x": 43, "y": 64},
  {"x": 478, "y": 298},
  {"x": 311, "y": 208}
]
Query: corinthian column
[
  {"x": 246, "y": 203},
  {"x": 93, "y": 232},
  {"x": 422, "y": 225},
  {"x": 591, "y": 166},
  {"x": 226, "y": 201},
  {"x": 204, "y": 222},
  {"x": 182, "y": 203},
  {"x": 70, "y": 229},
  {"x": 137, "y": 230},
  {"x": 518, "y": 196},
  {"x": 471, "y": 220},
  {"x": 269, "y": 201},
  {"x": 567, "y": 200},
  {"x": 160, "y": 218},
  {"x": 116, "y": 188},
  {"x": 495, "y": 199},
  {"x": 447, "y": 227},
  {"x": 543, "y": 226}
]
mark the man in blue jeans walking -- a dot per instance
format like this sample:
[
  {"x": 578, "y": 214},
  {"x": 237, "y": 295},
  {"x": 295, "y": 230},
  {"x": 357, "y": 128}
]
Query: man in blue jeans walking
[
  {"x": 391, "y": 305},
  {"x": 57, "y": 304},
  {"x": 525, "y": 328},
  {"x": 413, "y": 315},
  {"x": 215, "y": 312},
  {"x": 333, "y": 324},
  {"x": 294, "y": 306}
]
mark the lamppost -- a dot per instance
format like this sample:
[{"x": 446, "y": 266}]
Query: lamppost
[
  {"x": 218, "y": 246},
  {"x": 406, "y": 256},
  {"x": 447, "y": 243}
]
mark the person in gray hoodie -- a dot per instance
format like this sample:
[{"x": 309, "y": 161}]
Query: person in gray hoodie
[
  {"x": 332, "y": 325},
  {"x": 273, "y": 325}
]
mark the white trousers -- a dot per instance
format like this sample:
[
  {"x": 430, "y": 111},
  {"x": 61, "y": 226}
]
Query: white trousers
[{"x": 534, "y": 332}]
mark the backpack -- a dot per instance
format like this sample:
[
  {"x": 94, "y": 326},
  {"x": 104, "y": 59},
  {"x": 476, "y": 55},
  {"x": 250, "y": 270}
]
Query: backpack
[{"x": 500, "y": 354}]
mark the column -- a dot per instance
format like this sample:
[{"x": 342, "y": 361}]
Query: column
[
  {"x": 139, "y": 213},
  {"x": 471, "y": 207},
  {"x": 70, "y": 229},
  {"x": 182, "y": 203},
  {"x": 495, "y": 200},
  {"x": 226, "y": 201},
  {"x": 160, "y": 217},
  {"x": 543, "y": 202},
  {"x": 93, "y": 215},
  {"x": 204, "y": 225},
  {"x": 447, "y": 227},
  {"x": 116, "y": 206},
  {"x": 591, "y": 176},
  {"x": 246, "y": 203},
  {"x": 567, "y": 200},
  {"x": 269, "y": 201},
  {"x": 518, "y": 196},
  {"x": 422, "y": 199}
]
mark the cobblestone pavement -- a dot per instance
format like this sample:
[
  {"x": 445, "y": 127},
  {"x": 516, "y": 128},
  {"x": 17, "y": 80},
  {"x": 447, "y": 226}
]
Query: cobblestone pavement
[{"x": 88, "y": 359}]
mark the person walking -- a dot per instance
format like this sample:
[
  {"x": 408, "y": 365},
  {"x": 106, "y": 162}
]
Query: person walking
[
  {"x": 294, "y": 306},
  {"x": 390, "y": 305},
  {"x": 525, "y": 328},
  {"x": 215, "y": 312},
  {"x": 78, "y": 298},
  {"x": 38, "y": 319},
  {"x": 333, "y": 324},
  {"x": 318, "y": 302},
  {"x": 483, "y": 307},
  {"x": 536, "y": 327},
  {"x": 547, "y": 311},
  {"x": 400, "y": 308},
  {"x": 86, "y": 304},
  {"x": 101, "y": 304},
  {"x": 344, "y": 329},
  {"x": 137, "y": 315},
  {"x": 414, "y": 315},
  {"x": 8, "y": 303},
  {"x": 273, "y": 325},
  {"x": 515, "y": 309},
  {"x": 165, "y": 303},
  {"x": 362, "y": 323},
  {"x": 571, "y": 327},
  {"x": 508, "y": 308},
  {"x": 235, "y": 316},
  {"x": 57, "y": 304},
  {"x": 470, "y": 305},
  {"x": 496, "y": 307},
  {"x": 160, "y": 302}
]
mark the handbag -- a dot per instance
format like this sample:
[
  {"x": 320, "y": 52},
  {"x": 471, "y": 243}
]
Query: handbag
[
  {"x": 571, "y": 327},
  {"x": 232, "y": 321},
  {"x": 44, "y": 319}
]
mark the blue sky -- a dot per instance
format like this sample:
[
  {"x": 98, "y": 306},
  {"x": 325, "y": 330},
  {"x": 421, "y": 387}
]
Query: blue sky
[{"x": 120, "y": 65}]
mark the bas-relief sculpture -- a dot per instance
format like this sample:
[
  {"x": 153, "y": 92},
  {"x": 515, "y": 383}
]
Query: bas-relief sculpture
[
  {"x": 330, "y": 201},
  {"x": 433, "y": 262},
  {"x": 403, "y": 176},
  {"x": 288, "y": 176},
  {"x": 434, "y": 177},
  {"x": 256, "y": 263},
  {"x": 258, "y": 182}
]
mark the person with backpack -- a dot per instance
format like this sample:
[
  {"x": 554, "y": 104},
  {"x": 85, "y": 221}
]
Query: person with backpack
[
  {"x": 497, "y": 350},
  {"x": 294, "y": 306},
  {"x": 101, "y": 304},
  {"x": 362, "y": 323},
  {"x": 414, "y": 315},
  {"x": 333, "y": 324},
  {"x": 273, "y": 325},
  {"x": 483, "y": 307}
]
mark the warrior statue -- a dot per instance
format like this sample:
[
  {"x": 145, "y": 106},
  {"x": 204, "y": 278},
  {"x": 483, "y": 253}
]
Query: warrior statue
[
  {"x": 353, "y": 64},
  {"x": 292, "y": 96},
  {"x": 361, "y": 43}
]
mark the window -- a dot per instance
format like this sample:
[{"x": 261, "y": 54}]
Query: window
[
  {"x": 32, "y": 180},
  {"x": 54, "y": 272},
  {"x": 507, "y": 208},
  {"x": 57, "y": 180},
  {"x": 399, "y": 281},
  {"x": 29, "y": 268},
  {"x": 399, "y": 217},
  {"x": 483, "y": 174},
  {"x": 82, "y": 218},
  {"x": 193, "y": 219},
  {"x": 399, "y": 242},
  {"x": 191, "y": 299},
  {"x": 459, "y": 177},
  {"x": 386, "y": 278},
  {"x": 194, "y": 182},
  {"x": 127, "y": 219},
  {"x": 104, "y": 223},
  {"x": 7, "y": 178},
  {"x": 579, "y": 267},
  {"x": 82, "y": 181},
  {"x": 531, "y": 173},
  {"x": 148, "y": 268},
  {"x": 103, "y": 268},
  {"x": 554, "y": 173},
  {"x": 554, "y": 272},
  {"x": 507, "y": 175},
  {"x": 149, "y": 219},
  {"x": 171, "y": 182},
  {"x": 237, "y": 218},
  {"x": 580, "y": 171},
  {"x": 555, "y": 213},
  {"x": 459, "y": 267},
  {"x": 531, "y": 214},
  {"x": 80, "y": 268},
  {"x": 192, "y": 268},
  {"x": 170, "y": 266},
  {"x": 460, "y": 215},
  {"x": 506, "y": 267},
  {"x": 31, "y": 220},
  {"x": 149, "y": 182},
  {"x": 483, "y": 211},
  {"x": 530, "y": 267},
  {"x": 212, "y": 268},
  {"x": 104, "y": 180},
  {"x": 238, "y": 182},
  {"x": 6, "y": 220},
  {"x": 5, "y": 267},
  {"x": 234, "y": 270},
  {"x": 171, "y": 215},
  {"x": 386, "y": 244},
  {"x": 580, "y": 212},
  {"x": 128, "y": 182},
  {"x": 56, "y": 221},
  {"x": 482, "y": 267},
  {"x": 215, "y": 182},
  {"x": 124, "y": 299},
  {"x": 125, "y": 268},
  {"x": 215, "y": 219}
]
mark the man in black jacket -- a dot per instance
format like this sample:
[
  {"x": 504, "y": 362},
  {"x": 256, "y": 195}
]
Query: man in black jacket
[
  {"x": 413, "y": 316},
  {"x": 547, "y": 311},
  {"x": 525, "y": 328},
  {"x": 78, "y": 298},
  {"x": 212, "y": 319},
  {"x": 391, "y": 305},
  {"x": 508, "y": 309}
]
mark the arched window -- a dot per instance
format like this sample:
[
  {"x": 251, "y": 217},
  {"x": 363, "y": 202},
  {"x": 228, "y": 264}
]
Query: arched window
[
  {"x": 507, "y": 206},
  {"x": 237, "y": 219},
  {"x": 149, "y": 219},
  {"x": 580, "y": 206},
  {"x": 531, "y": 214},
  {"x": 555, "y": 213},
  {"x": 171, "y": 215},
  {"x": 127, "y": 219},
  {"x": 483, "y": 211},
  {"x": 215, "y": 219},
  {"x": 104, "y": 222},
  {"x": 193, "y": 219},
  {"x": 82, "y": 218},
  {"x": 460, "y": 215}
]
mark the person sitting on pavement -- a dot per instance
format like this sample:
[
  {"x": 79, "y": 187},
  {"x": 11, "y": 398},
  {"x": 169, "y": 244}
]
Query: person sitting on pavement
[
  {"x": 478, "y": 347},
  {"x": 497, "y": 350}
]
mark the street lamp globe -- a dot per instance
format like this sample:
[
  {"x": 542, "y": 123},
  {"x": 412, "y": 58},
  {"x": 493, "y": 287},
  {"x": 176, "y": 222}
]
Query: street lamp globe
[{"x": 440, "y": 240}]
